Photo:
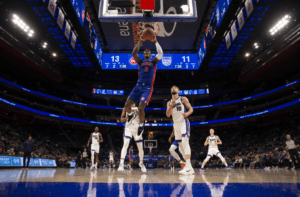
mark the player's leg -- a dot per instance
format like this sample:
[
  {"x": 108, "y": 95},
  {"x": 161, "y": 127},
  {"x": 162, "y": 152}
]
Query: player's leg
[
  {"x": 92, "y": 155},
  {"x": 205, "y": 161},
  {"x": 139, "y": 143},
  {"x": 132, "y": 98},
  {"x": 124, "y": 148},
  {"x": 222, "y": 159},
  {"x": 96, "y": 159},
  {"x": 142, "y": 106},
  {"x": 185, "y": 131}
]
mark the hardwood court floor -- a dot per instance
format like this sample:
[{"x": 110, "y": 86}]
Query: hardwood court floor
[{"x": 157, "y": 182}]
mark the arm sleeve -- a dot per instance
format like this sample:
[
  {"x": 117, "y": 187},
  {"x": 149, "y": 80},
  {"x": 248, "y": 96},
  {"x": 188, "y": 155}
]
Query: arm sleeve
[{"x": 159, "y": 51}]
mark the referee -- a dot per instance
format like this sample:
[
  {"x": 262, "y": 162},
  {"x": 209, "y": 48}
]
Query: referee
[{"x": 292, "y": 147}]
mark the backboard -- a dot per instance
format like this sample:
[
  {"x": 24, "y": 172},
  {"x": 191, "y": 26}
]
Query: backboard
[{"x": 142, "y": 11}]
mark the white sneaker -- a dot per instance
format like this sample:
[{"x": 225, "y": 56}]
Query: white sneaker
[
  {"x": 187, "y": 171},
  {"x": 143, "y": 168},
  {"x": 121, "y": 168},
  {"x": 92, "y": 167}
]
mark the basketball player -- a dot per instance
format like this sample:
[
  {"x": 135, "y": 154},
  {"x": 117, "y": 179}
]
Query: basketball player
[
  {"x": 177, "y": 108},
  {"x": 111, "y": 158},
  {"x": 144, "y": 87},
  {"x": 130, "y": 152},
  {"x": 131, "y": 130},
  {"x": 171, "y": 159},
  {"x": 213, "y": 141},
  {"x": 96, "y": 137},
  {"x": 172, "y": 149}
]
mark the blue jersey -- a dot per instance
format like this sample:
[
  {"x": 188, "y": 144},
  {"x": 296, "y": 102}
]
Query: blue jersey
[
  {"x": 131, "y": 152},
  {"x": 147, "y": 71}
]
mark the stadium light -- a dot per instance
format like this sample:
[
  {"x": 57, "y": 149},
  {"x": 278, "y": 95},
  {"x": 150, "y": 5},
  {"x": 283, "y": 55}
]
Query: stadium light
[
  {"x": 280, "y": 24},
  {"x": 45, "y": 45},
  {"x": 54, "y": 54},
  {"x": 247, "y": 54},
  {"x": 16, "y": 20}
]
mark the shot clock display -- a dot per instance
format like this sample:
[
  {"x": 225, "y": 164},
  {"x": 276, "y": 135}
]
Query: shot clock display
[{"x": 182, "y": 61}]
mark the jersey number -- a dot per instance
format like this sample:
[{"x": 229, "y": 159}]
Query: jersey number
[
  {"x": 179, "y": 108},
  {"x": 146, "y": 69}
]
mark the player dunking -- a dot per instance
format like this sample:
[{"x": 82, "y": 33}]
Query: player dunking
[
  {"x": 177, "y": 108},
  {"x": 144, "y": 87},
  {"x": 131, "y": 130},
  {"x": 111, "y": 158},
  {"x": 172, "y": 149},
  {"x": 213, "y": 141},
  {"x": 96, "y": 138},
  {"x": 130, "y": 152}
]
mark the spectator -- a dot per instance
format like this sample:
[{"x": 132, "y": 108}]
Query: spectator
[
  {"x": 1, "y": 152},
  {"x": 27, "y": 149}
]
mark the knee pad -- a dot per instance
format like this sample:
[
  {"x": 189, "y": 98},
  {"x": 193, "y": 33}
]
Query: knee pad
[
  {"x": 207, "y": 158},
  {"x": 221, "y": 157}
]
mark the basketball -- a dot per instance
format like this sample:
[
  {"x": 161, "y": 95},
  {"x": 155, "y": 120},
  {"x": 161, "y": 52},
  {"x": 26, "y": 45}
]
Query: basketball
[{"x": 148, "y": 34}]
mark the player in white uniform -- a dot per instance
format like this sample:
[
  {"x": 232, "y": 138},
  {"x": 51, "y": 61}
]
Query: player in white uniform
[
  {"x": 96, "y": 138},
  {"x": 213, "y": 141},
  {"x": 131, "y": 130},
  {"x": 111, "y": 158},
  {"x": 177, "y": 108},
  {"x": 172, "y": 149}
]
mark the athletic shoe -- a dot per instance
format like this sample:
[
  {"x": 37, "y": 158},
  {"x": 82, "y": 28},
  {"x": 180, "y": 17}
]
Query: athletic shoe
[
  {"x": 187, "y": 170},
  {"x": 140, "y": 130},
  {"x": 201, "y": 170},
  {"x": 143, "y": 168},
  {"x": 121, "y": 168},
  {"x": 92, "y": 167},
  {"x": 228, "y": 168},
  {"x": 182, "y": 165}
]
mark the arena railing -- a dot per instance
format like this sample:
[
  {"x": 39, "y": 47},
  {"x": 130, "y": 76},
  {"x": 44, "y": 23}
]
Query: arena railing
[
  {"x": 158, "y": 109},
  {"x": 293, "y": 103}
]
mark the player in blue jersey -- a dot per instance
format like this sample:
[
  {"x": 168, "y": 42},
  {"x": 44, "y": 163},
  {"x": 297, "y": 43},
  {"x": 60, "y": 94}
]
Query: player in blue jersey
[
  {"x": 130, "y": 152},
  {"x": 143, "y": 90}
]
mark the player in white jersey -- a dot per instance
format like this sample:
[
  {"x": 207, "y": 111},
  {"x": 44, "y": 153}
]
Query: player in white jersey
[
  {"x": 176, "y": 108},
  {"x": 213, "y": 141},
  {"x": 96, "y": 138},
  {"x": 111, "y": 158},
  {"x": 131, "y": 130},
  {"x": 172, "y": 149}
]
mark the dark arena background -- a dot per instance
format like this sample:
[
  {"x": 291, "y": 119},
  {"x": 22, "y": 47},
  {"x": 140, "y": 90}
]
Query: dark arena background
[{"x": 224, "y": 74}]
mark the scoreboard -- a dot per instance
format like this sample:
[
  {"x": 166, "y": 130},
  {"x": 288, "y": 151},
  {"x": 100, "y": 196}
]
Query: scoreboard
[{"x": 182, "y": 61}]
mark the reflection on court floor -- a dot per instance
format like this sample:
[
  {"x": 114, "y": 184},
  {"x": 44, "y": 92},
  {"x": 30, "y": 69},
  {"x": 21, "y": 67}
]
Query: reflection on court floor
[{"x": 82, "y": 182}]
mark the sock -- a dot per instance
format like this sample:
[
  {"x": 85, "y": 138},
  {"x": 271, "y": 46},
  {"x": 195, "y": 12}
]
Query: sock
[
  {"x": 122, "y": 161},
  {"x": 188, "y": 162},
  {"x": 141, "y": 124}
]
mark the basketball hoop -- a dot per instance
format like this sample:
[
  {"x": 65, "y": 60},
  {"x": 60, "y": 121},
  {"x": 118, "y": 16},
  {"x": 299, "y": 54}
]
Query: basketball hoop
[{"x": 143, "y": 25}]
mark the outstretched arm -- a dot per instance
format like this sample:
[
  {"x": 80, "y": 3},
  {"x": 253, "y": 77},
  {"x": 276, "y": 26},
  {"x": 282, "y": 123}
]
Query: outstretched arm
[
  {"x": 187, "y": 104},
  {"x": 206, "y": 142},
  {"x": 89, "y": 140},
  {"x": 171, "y": 136},
  {"x": 135, "y": 52},
  {"x": 159, "y": 51}
]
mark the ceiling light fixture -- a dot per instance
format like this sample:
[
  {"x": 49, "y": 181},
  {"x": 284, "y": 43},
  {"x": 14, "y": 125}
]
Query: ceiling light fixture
[
  {"x": 16, "y": 20},
  {"x": 247, "y": 54},
  {"x": 280, "y": 24}
]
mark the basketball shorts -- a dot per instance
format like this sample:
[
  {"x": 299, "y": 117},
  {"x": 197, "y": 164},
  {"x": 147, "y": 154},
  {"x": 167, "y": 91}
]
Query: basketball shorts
[
  {"x": 132, "y": 132},
  {"x": 171, "y": 159},
  {"x": 181, "y": 129},
  {"x": 95, "y": 148},
  {"x": 175, "y": 143},
  {"x": 130, "y": 157},
  {"x": 111, "y": 160},
  {"x": 213, "y": 151},
  {"x": 141, "y": 93}
]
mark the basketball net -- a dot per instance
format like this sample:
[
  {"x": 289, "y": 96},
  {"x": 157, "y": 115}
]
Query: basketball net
[
  {"x": 143, "y": 25},
  {"x": 150, "y": 147}
]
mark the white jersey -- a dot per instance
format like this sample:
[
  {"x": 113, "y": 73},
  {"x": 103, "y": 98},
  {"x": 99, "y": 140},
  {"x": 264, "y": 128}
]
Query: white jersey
[
  {"x": 95, "y": 138},
  {"x": 135, "y": 120},
  {"x": 177, "y": 110},
  {"x": 111, "y": 156},
  {"x": 214, "y": 141}
]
